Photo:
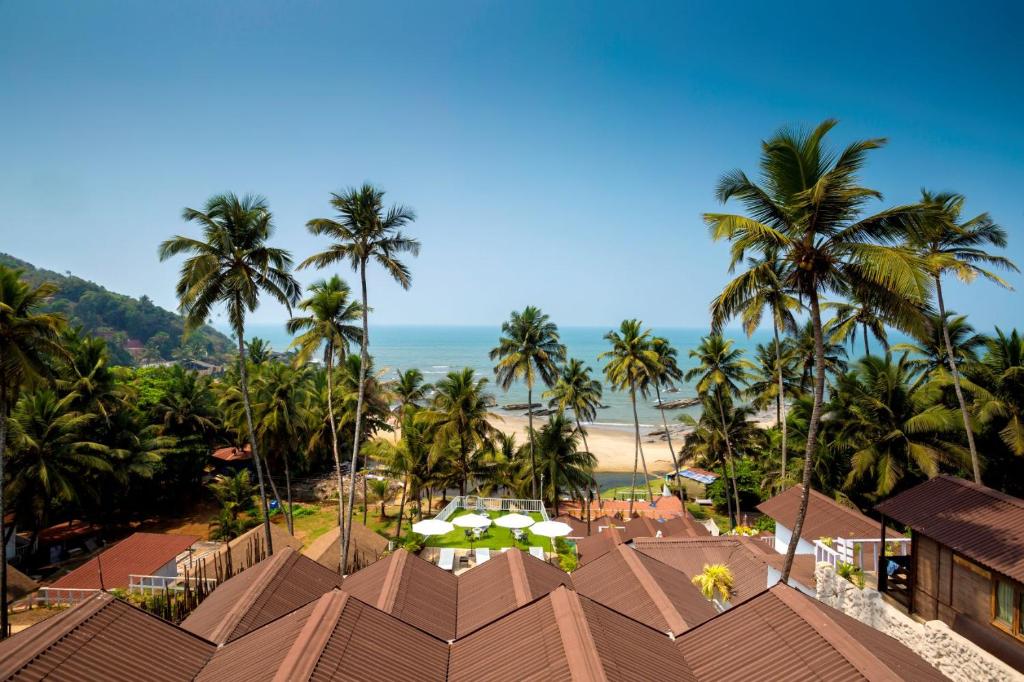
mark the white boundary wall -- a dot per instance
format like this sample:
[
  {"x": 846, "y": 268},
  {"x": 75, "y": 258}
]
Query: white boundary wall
[{"x": 955, "y": 657}]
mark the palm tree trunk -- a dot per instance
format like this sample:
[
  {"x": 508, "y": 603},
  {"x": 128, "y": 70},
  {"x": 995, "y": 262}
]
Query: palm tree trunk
[
  {"x": 401, "y": 509},
  {"x": 273, "y": 488},
  {"x": 728, "y": 499},
  {"x": 529, "y": 435},
  {"x": 366, "y": 494},
  {"x": 668, "y": 435},
  {"x": 812, "y": 433},
  {"x": 597, "y": 487},
  {"x": 867, "y": 351},
  {"x": 243, "y": 379},
  {"x": 975, "y": 463},
  {"x": 288, "y": 491},
  {"x": 363, "y": 359},
  {"x": 463, "y": 465},
  {"x": 334, "y": 448},
  {"x": 3, "y": 534},
  {"x": 728, "y": 455},
  {"x": 781, "y": 406},
  {"x": 636, "y": 451},
  {"x": 640, "y": 450}
]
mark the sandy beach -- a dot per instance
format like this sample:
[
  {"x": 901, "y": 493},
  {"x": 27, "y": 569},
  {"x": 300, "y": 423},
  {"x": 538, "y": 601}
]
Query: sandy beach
[{"x": 613, "y": 447}]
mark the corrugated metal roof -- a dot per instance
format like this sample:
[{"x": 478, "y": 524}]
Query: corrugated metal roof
[
  {"x": 603, "y": 541},
  {"x": 411, "y": 589},
  {"x": 494, "y": 588},
  {"x": 137, "y": 554},
  {"x": 782, "y": 634},
  {"x": 564, "y": 636},
  {"x": 272, "y": 588},
  {"x": 644, "y": 589},
  {"x": 826, "y": 518},
  {"x": 103, "y": 639},
  {"x": 690, "y": 555},
  {"x": 982, "y": 524}
]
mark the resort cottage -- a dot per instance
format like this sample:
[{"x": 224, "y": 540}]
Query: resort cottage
[{"x": 966, "y": 562}]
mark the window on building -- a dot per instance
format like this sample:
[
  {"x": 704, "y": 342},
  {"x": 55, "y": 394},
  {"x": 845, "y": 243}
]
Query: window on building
[
  {"x": 1004, "y": 602},
  {"x": 1008, "y": 606}
]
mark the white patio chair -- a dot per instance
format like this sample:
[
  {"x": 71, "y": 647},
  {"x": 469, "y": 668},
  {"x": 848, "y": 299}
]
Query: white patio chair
[
  {"x": 446, "y": 559},
  {"x": 482, "y": 554},
  {"x": 538, "y": 552}
]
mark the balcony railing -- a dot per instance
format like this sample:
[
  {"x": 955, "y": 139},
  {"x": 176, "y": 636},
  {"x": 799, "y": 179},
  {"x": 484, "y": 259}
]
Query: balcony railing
[
  {"x": 148, "y": 584},
  {"x": 860, "y": 552},
  {"x": 61, "y": 596},
  {"x": 496, "y": 504}
]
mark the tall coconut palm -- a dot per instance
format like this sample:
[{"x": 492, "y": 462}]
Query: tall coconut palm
[
  {"x": 233, "y": 265},
  {"x": 567, "y": 467},
  {"x": 857, "y": 313},
  {"x": 363, "y": 231},
  {"x": 721, "y": 374},
  {"x": 666, "y": 374},
  {"x": 458, "y": 416},
  {"x": 996, "y": 386},
  {"x": 258, "y": 351},
  {"x": 411, "y": 391},
  {"x": 406, "y": 459},
  {"x": 529, "y": 349},
  {"x": 762, "y": 287},
  {"x": 631, "y": 365},
  {"x": 949, "y": 244},
  {"x": 27, "y": 337},
  {"x": 928, "y": 352},
  {"x": 808, "y": 212},
  {"x": 578, "y": 391},
  {"x": 328, "y": 325}
]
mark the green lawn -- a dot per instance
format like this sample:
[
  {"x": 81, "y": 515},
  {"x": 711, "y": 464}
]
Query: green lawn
[{"x": 495, "y": 537}]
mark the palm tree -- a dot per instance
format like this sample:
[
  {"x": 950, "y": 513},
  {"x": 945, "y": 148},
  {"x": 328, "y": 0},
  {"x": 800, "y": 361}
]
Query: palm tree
[
  {"x": 380, "y": 488},
  {"x": 232, "y": 265},
  {"x": 27, "y": 337},
  {"x": 567, "y": 467},
  {"x": 946, "y": 244},
  {"x": 328, "y": 324},
  {"x": 665, "y": 374},
  {"x": 631, "y": 366},
  {"x": 86, "y": 374},
  {"x": 279, "y": 411},
  {"x": 809, "y": 213},
  {"x": 529, "y": 348},
  {"x": 578, "y": 391},
  {"x": 405, "y": 458},
  {"x": 803, "y": 350},
  {"x": 259, "y": 350},
  {"x": 411, "y": 390},
  {"x": 929, "y": 355},
  {"x": 715, "y": 578},
  {"x": 364, "y": 231},
  {"x": 235, "y": 493},
  {"x": 762, "y": 287},
  {"x": 857, "y": 313},
  {"x": 185, "y": 408},
  {"x": 458, "y": 417},
  {"x": 996, "y": 386},
  {"x": 721, "y": 373}
]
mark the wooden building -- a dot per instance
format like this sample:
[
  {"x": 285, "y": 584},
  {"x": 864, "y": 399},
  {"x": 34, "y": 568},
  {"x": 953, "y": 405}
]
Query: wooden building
[{"x": 966, "y": 563}]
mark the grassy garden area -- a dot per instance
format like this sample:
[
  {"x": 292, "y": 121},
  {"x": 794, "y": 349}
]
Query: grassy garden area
[{"x": 495, "y": 537}]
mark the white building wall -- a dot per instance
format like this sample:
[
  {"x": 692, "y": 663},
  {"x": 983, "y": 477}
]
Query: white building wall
[
  {"x": 168, "y": 570},
  {"x": 774, "y": 576},
  {"x": 782, "y": 536}
]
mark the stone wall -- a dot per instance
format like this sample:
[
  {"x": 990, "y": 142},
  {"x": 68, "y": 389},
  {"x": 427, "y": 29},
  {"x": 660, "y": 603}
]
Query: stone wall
[{"x": 956, "y": 657}]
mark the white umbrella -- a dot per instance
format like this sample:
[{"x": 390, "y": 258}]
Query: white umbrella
[
  {"x": 551, "y": 529},
  {"x": 432, "y": 527},
  {"x": 514, "y": 521},
  {"x": 471, "y": 521}
]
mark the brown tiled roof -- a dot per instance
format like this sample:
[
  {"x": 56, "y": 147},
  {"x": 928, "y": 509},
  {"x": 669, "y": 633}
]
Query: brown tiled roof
[
  {"x": 103, "y": 639},
  {"x": 69, "y": 530},
  {"x": 233, "y": 454},
  {"x": 982, "y": 524},
  {"x": 680, "y": 525},
  {"x": 644, "y": 589},
  {"x": 826, "y": 518},
  {"x": 366, "y": 548},
  {"x": 337, "y": 637},
  {"x": 249, "y": 548},
  {"x": 138, "y": 554},
  {"x": 496, "y": 587},
  {"x": 599, "y": 544},
  {"x": 565, "y": 636},
  {"x": 782, "y": 634},
  {"x": 410, "y": 589},
  {"x": 19, "y": 584},
  {"x": 663, "y": 505},
  {"x": 579, "y": 527},
  {"x": 272, "y": 588},
  {"x": 690, "y": 555}
]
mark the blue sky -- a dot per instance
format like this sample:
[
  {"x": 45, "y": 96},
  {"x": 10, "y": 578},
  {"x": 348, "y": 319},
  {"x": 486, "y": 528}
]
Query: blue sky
[{"x": 558, "y": 154}]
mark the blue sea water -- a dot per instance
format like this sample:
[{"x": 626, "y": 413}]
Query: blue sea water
[{"x": 436, "y": 350}]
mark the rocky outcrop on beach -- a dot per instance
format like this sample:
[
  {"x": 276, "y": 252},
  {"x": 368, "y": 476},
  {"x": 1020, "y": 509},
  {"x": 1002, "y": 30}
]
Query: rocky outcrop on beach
[
  {"x": 521, "y": 406},
  {"x": 543, "y": 412},
  {"x": 677, "y": 404},
  {"x": 489, "y": 401}
]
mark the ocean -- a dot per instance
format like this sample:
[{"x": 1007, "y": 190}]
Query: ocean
[{"x": 436, "y": 350}]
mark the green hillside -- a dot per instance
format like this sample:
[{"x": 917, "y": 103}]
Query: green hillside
[{"x": 125, "y": 322}]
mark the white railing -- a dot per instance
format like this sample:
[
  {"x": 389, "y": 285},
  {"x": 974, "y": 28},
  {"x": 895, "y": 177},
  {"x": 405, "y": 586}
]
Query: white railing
[
  {"x": 767, "y": 539},
  {"x": 861, "y": 552},
  {"x": 62, "y": 596},
  {"x": 160, "y": 583},
  {"x": 481, "y": 504}
]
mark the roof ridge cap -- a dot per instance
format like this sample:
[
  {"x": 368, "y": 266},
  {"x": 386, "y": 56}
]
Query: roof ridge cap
[
  {"x": 392, "y": 580},
  {"x": 675, "y": 621},
  {"x": 248, "y": 598},
  {"x": 859, "y": 656},
  {"x": 53, "y": 630},
  {"x": 577, "y": 639},
  {"x": 520, "y": 582},
  {"x": 305, "y": 652}
]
